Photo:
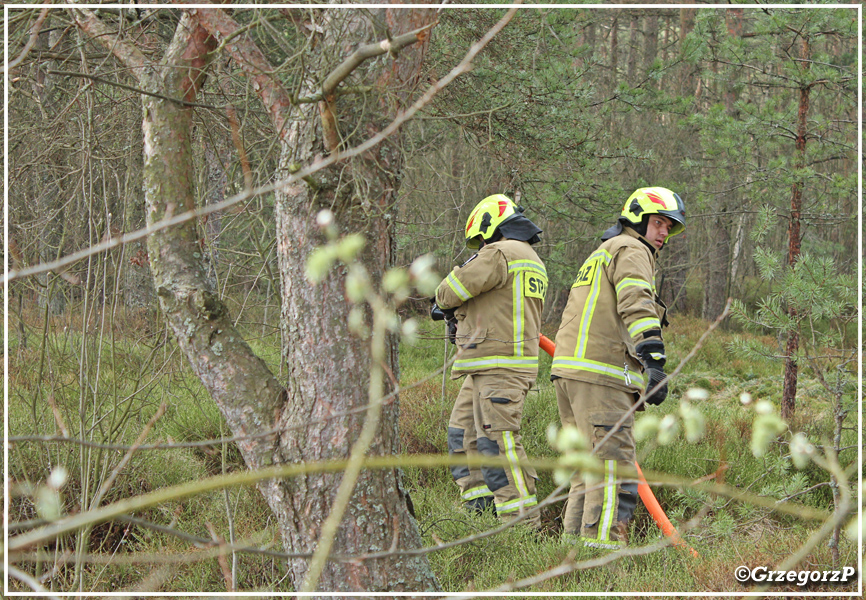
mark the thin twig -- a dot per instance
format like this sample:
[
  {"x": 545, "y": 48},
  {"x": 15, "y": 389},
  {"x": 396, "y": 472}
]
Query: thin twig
[
  {"x": 34, "y": 35},
  {"x": 58, "y": 418},
  {"x": 25, "y": 578},
  {"x": 136, "y": 90},
  {"x": 126, "y": 458}
]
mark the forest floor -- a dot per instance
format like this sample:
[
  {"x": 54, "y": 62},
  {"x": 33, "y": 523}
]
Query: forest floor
[{"x": 122, "y": 375}]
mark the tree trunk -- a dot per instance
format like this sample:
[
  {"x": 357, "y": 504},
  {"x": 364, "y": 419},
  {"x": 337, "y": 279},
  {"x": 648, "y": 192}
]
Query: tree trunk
[
  {"x": 651, "y": 42},
  {"x": 789, "y": 391},
  {"x": 676, "y": 257},
  {"x": 52, "y": 296},
  {"x": 614, "y": 53},
  {"x": 633, "y": 50},
  {"x": 688, "y": 79},
  {"x": 737, "y": 252},
  {"x": 138, "y": 292},
  {"x": 329, "y": 367},
  {"x": 718, "y": 275},
  {"x": 216, "y": 180},
  {"x": 240, "y": 383},
  {"x": 717, "y": 270}
]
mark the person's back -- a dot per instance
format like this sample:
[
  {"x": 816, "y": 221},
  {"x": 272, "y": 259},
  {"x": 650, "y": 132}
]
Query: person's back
[
  {"x": 496, "y": 299},
  {"x": 499, "y": 328}
]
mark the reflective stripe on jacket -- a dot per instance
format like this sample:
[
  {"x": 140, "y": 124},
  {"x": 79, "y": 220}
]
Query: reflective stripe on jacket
[
  {"x": 612, "y": 304},
  {"x": 498, "y": 295}
]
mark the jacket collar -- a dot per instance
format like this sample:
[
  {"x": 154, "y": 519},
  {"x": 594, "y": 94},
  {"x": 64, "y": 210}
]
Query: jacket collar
[{"x": 631, "y": 232}]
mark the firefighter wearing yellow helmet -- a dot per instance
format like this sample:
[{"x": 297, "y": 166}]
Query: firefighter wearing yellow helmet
[
  {"x": 609, "y": 354},
  {"x": 495, "y": 298}
]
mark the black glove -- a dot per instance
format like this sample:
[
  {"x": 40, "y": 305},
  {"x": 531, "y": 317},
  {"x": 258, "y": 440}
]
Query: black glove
[
  {"x": 452, "y": 330},
  {"x": 652, "y": 354},
  {"x": 447, "y": 315},
  {"x": 655, "y": 376},
  {"x": 440, "y": 314},
  {"x": 435, "y": 312}
]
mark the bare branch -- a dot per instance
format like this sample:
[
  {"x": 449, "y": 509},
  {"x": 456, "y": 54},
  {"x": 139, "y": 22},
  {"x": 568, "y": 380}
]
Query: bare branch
[
  {"x": 133, "y": 89},
  {"x": 253, "y": 61},
  {"x": 34, "y": 35},
  {"x": 369, "y": 51},
  {"x": 127, "y": 54}
]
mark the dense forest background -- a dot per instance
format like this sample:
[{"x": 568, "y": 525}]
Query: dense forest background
[
  {"x": 568, "y": 110},
  {"x": 749, "y": 113}
]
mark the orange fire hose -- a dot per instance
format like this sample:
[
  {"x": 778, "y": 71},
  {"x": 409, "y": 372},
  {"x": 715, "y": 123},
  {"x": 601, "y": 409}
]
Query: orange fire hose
[{"x": 643, "y": 489}]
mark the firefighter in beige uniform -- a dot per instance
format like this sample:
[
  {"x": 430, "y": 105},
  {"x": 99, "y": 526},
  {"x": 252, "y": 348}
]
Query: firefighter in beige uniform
[
  {"x": 609, "y": 349},
  {"x": 496, "y": 298}
]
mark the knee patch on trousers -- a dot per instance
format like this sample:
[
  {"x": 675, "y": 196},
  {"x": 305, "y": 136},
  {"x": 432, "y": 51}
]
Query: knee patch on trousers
[
  {"x": 455, "y": 445},
  {"x": 494, "y": 477},
  {"x": 627, "y": 501},
  {"x": 455, "y": 440}
]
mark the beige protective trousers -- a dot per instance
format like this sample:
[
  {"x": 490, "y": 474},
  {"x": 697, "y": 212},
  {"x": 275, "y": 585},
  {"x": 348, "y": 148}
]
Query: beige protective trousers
[
  {"x": 598, "y": 513},
  {"x": 486, "y": 420}
]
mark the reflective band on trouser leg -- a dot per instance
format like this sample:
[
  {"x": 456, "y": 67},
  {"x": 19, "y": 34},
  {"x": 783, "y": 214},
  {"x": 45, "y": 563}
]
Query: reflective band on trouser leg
[
  {"x": 462, "y": 443},
  {"x": 525, "y": 499},
  {"x": 608, "y": 511},
  {"x": 513, "y": 506},
  {"x": 477, "y": 492}
]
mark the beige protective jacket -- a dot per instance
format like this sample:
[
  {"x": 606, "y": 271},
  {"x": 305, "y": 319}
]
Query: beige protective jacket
[
  {"x": 498, "y": 295},
  {"x": 611, "y": 306}
]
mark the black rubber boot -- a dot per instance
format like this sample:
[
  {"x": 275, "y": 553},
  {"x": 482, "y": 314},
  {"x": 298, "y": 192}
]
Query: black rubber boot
[{"x": 479, "y": 505}]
